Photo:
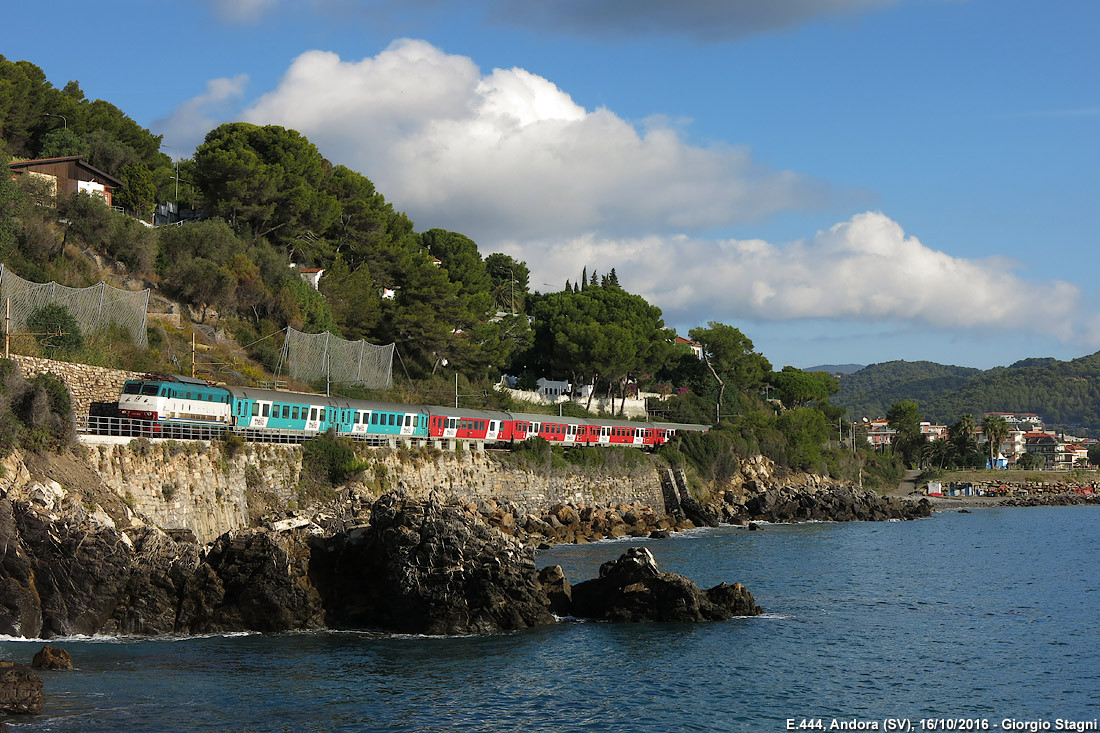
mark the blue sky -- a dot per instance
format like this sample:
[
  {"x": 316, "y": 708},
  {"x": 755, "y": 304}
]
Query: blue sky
[{"x": 843, "y": 180}]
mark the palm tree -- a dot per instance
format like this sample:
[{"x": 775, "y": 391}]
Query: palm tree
[
  {"x": 996, "y": 431},
  {"x": 938, "y": 452},
  {"x": 963, "y": 436}
]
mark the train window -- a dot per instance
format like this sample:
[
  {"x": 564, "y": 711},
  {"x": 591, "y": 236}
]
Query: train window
[
  {"x": 286, "y": 412},
  {"x": 374, "y": 418},
  {"x": 267, "y": 410},
  {"x": 393, "y": 421},
  {"x": 131, "y": 388},
  {"x": 294, "y": 413}
]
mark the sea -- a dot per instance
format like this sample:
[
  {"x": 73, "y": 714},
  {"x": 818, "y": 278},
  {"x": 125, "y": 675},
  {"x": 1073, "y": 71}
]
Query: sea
[{"x": 988, "y": 620}]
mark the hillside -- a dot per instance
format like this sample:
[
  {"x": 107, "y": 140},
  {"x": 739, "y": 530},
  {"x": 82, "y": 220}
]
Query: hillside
[
  {"x": 836, "y": 368},
  {"x": 1064, "y": 393}
]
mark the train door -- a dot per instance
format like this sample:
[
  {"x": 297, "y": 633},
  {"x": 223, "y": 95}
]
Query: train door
[
  {"x": 241, "y": 412},
  {"x": 360, "y": 422},
  {"x": 605, "y": 435},
  {"x": 313, "y": 419},
  {"x": 261, "y": 413},
  {"x": 570, "y": 434},
  {"x": 494, "y": 430},
  {"x": 408, "y": 423},
  {"x": 639, "y": 436}
]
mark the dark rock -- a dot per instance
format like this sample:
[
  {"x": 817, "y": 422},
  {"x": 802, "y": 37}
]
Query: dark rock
[
  {"x": 557, "y": 589},
  {"x": 61, "y": 576},
  {"x": 753, "y": 526},
  {"x": 252, "y": 580},
  {"x": 183, "y": 535},
  {"x": 424, "y": 568},
  {"x": 659, "y": 534},
  {"x": 836, "y": 503},
  {"x": 20, "y": 689},
  {"x": 700, "y": 514},
  {"x": 633, "y": 589},
  {"x": 51, "y": 657}
]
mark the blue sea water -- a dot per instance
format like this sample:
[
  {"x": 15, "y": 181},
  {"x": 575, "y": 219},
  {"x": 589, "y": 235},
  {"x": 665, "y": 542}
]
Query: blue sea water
[{"x": 984, "y": 616}]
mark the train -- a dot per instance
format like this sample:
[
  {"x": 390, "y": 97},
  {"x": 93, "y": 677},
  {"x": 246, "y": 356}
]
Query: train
[{"x": 174, "y": 404}]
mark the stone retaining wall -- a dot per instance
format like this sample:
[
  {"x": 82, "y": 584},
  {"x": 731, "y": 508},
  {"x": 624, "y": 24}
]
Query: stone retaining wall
[
  {"x": 87, "y": 384},
  {"x": 195, "y": 485}
]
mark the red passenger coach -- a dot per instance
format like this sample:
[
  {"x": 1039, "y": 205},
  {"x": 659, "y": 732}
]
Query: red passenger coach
[
  {"x": 453, "y": 422},
  {"x": 556, "y": 429}
]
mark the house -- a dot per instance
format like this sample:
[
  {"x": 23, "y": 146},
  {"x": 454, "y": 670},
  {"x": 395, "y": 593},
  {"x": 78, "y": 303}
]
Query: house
[
  {"x": 931, "y": 432},
  {"x": 1026, "y": 421},
  {"x": 879, "y": 433},
  {"x": 69, "y": 175},
  {"x": 1043, "y": 445},
  {"x": 550, "y": 388},
  {"x": 695, "y": 346},
  {"x": 311, "y": 275}
]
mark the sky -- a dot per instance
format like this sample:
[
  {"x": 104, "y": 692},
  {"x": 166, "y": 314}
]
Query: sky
[{"x": 845, "y": 181}]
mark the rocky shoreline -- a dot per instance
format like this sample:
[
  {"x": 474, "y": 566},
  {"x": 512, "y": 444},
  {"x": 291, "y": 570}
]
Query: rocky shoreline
[
  {"x": 1026, "y": 500},
  {"x": 78, "y": 562},
  {"x": 406, "y": 566}
]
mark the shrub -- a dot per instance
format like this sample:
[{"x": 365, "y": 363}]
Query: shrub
[
  {"x": 232, "y": 445},
  {"x": 55, "y": 329},
  {"x": 328, "y": 460}
]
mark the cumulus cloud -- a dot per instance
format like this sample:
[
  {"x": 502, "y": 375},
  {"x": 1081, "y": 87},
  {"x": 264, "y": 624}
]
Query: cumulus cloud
[
  {"x": 508, "y": 153},
  {"x": 188, "y": 124},
  {"x": 513, "y": 161},
  {"x": 865, "y": 269}
]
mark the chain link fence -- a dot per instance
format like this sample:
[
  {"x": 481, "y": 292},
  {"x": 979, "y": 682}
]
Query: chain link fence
[
  {"x": 321, "y": 357},
  {"x": 93, "y": 307}
]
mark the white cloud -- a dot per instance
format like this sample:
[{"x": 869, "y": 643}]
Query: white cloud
[
  {"x": 188, "y": 124},
  {"x": 511, "y": 154},
  {"x": 862, "y": 270},
  {"x": 513, "y": 161}
]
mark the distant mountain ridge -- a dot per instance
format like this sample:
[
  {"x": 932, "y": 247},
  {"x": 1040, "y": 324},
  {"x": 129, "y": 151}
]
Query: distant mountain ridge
[
  {"x": 1065, "y": 394},
  {"x": 836, "y": 368}
]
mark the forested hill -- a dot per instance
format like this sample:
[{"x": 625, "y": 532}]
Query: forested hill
[{"x": 1063, "y": 393}]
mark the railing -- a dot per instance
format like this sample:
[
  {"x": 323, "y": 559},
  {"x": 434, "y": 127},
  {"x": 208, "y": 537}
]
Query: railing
[{"x": 132, "y": 428}]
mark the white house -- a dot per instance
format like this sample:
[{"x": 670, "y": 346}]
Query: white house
[{"x": 550, "y": 388}]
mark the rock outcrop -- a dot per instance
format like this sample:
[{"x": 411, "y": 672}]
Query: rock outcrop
[
  {"x": 20, "y": 689},
  {"x": 51, "y": 657},
  {"x": 834, "y": 503},
  {"x": 633, "y": 589},
  {"x": 431, "y": 568}
]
